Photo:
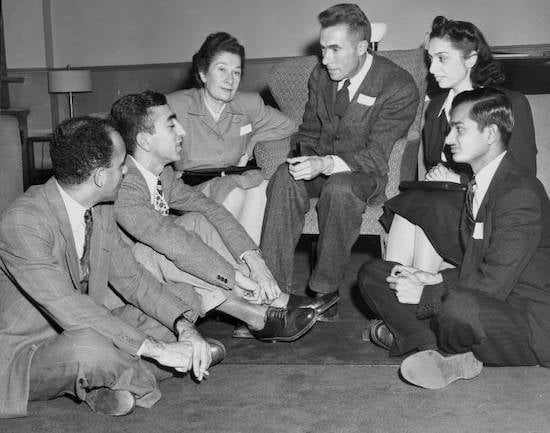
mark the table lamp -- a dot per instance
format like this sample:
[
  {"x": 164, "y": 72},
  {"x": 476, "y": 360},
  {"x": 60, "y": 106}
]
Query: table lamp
[
  {"x": 377, "y": 32},
  {"x": 69, "y": 81}
]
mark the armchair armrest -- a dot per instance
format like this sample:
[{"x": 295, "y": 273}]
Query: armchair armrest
[{"x": 270, "y": 154}]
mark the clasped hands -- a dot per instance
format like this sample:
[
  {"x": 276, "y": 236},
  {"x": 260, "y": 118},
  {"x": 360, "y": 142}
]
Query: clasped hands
[
  {"x": 408, "y": 283},
  {"x": 442, "y": 174},
  {"x": 309, "y": 167}
]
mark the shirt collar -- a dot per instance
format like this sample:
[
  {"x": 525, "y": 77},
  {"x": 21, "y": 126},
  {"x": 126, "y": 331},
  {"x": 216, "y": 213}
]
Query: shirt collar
[
  {"x": 75, "y": 212},
  {"x": 357, "y": 79},
  {"x": 150, "y": 179},
  {"x": 446, "y": 107},
  {"x": 483, "y": 180}
]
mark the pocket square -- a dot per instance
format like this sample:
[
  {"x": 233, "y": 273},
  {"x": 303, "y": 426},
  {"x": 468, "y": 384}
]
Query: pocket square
[{"x": 366, "y": 100}]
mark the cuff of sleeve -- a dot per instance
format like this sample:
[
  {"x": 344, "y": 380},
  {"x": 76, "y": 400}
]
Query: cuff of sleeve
[{"x": 430, "y": 301}]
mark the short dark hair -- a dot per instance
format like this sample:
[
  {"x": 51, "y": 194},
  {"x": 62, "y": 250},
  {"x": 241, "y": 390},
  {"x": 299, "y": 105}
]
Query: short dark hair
[
  {"x": 466, "y": 37},
  {"x": 489, "y": 107},
  {"x": 214, "y": 44},
  {"x": 350, "y": 14},
  {"x": 132, "y": 115},
  {"x": 79, "y": 146}
]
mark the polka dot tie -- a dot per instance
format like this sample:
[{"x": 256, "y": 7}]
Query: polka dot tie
[{"x": 159, "y": 202}]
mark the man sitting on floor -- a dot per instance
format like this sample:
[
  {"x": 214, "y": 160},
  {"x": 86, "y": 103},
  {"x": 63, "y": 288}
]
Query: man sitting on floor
[
  {"x": 205, "y": 246},
  {"x": 359, "y": 105},
  {"x": 495, "y": 308},
  {"x": 63, "y": 330}
]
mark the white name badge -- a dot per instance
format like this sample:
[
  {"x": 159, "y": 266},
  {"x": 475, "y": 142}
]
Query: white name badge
[
  {"x": 478, "y": 231},
  {"x": 246, "y": 129},
  {"x": 366, "y": 100}
]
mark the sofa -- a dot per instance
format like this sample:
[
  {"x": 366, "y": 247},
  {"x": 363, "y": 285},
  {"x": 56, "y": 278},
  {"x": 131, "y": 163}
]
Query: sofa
[{"x": 11, "y": 161}]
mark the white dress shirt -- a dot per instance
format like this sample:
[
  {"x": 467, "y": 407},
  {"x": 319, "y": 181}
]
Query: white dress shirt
[
  {"x": 75, "y": 211},
  {"x": 150, "y": 179},
  {"x": 483, "y": 180}
]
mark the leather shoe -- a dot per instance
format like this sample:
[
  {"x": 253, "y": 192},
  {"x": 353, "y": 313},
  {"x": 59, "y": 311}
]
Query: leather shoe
[
  {"x": 430, "y": 369},
  {"x": 330, "y": 315},
  {"x": 114, "y": 402},
  {"x": 319, "y": 303},
  {"x": 283, "y": 324},
  {"x": 217, "y": 351},
  {"x": 378, "y": 333}
]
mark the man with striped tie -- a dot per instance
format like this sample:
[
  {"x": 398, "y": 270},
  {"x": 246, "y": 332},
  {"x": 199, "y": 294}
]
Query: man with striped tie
[
  {"x": 494, "y": 308},
  {"x": 205, "y": 245}
]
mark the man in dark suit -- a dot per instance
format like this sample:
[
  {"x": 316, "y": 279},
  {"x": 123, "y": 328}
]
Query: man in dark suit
[
  {"x": 494, "y": 308},
  {"x": 205, "y": 245},
  {"x": 359, "y": 105},
  {"x": 78, "y": 312}
]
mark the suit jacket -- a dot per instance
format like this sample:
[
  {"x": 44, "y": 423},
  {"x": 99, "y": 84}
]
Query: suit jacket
[
  {"x": 245, "y": 121},
  {"x": 512, "y": 260},
  {"x": 522, "y": 143},
  {"x": 381, "y": 112},
  {"x": 138, "y": 218},
  {"x": 40, "y": 287}
]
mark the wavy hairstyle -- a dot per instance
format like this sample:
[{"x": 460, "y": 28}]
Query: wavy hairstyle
[
  {"x": 349, "y": 14},
  {"x": 466, "y": 37},
  {"x": 214, "y": 44}
]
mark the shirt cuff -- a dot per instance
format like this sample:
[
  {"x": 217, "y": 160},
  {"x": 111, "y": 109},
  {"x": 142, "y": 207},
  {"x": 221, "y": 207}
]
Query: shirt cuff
[{"x": 338, "y": 165}]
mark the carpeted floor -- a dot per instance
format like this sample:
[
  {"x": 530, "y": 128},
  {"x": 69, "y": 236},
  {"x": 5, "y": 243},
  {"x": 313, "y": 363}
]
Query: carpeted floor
[{"x": 329, "y": 381}]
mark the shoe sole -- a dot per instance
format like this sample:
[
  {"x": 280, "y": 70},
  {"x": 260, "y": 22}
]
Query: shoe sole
[
  {"x": 294, "y": 337},
  {"x": 429, "y": 369},
  {"x": 373, "y": 338}
]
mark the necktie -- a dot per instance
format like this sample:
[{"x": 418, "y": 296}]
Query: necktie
[
  {"x": 159, "y": 203},
  {"x": 85, "y": 259},
  {"x": 342, "y": 100},
  {"x": 469, "y": 203}
]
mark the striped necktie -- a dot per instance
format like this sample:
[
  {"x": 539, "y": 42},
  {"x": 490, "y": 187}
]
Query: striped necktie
[
  {"x": 342, "y": 100},
  {"x": 469, "y": 203},
  {"x": 85, "y": 259},
  {"x": 159, "y": 202}
]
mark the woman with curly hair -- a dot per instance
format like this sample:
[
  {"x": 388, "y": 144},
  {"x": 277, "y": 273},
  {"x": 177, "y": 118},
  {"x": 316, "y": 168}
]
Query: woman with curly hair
[{"x": 424, "y": 223}]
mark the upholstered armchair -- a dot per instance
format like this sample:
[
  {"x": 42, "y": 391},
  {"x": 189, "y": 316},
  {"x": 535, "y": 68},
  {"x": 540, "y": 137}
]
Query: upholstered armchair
[
  {"x": 288, "y": 84},
  {"x": 11, "y": 161}
]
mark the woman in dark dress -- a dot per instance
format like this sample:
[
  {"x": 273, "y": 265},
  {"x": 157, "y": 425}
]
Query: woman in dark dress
[{"x": 424, "y": 224}]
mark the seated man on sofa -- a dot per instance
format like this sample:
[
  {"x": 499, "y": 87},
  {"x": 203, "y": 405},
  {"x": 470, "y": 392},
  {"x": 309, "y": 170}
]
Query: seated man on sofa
[
  {"x": 63, "y": 330},
  {"x": 359, "y": 105},
  {"x": 494, "y": 309},
  {"x": 205, "y": 246}
]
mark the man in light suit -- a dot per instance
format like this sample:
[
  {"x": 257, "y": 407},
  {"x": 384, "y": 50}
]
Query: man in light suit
[
  {"x": 78, "y": 312},
  {"x": 495, "y": 308},
  {"x": 206, "y": 245},
  {"x": 359, "y": 105}
]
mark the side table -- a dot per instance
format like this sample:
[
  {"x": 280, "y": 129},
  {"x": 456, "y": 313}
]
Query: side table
[{"x": 37, "y": 175}]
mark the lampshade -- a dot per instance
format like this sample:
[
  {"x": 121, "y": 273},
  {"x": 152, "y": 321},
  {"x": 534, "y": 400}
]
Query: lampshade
[
  {"x": 377, "y": 31},
  {"x": 69, "y": 81}
]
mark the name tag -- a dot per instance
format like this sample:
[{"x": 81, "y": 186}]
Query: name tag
[
  {"x": 478, "y": 231},
  {"x": 366, "y": 100},
  {"x": 246, "y": 129}
]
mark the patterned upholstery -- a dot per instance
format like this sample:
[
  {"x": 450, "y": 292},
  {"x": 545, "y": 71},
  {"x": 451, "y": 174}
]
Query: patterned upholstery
[{"x": 288, "y": 84}]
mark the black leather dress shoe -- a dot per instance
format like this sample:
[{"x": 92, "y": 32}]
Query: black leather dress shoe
[
  {"x": 217, "y": 351},
  {"x": 113, "y": 402},
  {"x": 284, "y": 324},
  {"x": 330, "y": 315},
  {"x": 379, "y": 334},
  {"x": 319, "y": 303}
]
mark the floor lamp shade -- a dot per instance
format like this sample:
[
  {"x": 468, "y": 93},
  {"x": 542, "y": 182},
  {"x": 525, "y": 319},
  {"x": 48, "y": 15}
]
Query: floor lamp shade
[{"x": 69, "y": 81}]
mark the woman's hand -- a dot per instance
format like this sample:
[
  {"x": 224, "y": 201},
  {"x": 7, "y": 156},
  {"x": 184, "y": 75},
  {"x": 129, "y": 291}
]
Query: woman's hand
[
  {"x": 441, "y": 173},
  {"x": 243, "y": 160}
]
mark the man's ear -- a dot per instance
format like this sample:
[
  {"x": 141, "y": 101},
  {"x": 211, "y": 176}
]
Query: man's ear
[
  {"x": 99, "y": 177},
  {"x": 492, "y": 134},
  {"x": 362, "y": 47},
  {"x": 143, "y": 140}
]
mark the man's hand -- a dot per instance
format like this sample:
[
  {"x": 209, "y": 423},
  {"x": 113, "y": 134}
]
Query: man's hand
[
  {"x": 202, "y": 356},
  {"x": 247, "y": 289},
  {"x": 260, "y": 273},
  {"x": 309, "y": 167},
  {"x": 442, "y": 173},
  {"x": 409, "y": 282}
]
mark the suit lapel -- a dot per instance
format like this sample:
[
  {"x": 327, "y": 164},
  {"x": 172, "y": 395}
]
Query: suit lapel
[{"x": 60, "y": 212}]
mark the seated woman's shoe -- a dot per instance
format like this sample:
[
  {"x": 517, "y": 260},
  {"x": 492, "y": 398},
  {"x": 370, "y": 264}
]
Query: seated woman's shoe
[
  {"x": 283, "y": 324},
  {"x": 217, "y": 351},
  {"x": 113, "y": 402},
  {"x": 378, "y": 333},
  {"x": 319, "y": 303}
]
